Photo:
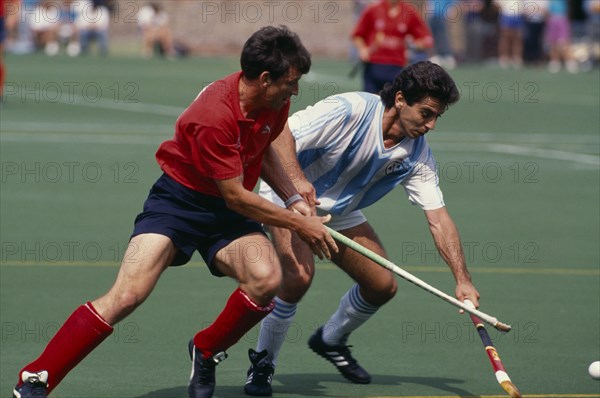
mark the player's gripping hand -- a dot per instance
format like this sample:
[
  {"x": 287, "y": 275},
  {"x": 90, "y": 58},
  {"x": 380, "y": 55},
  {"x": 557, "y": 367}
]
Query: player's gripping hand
[
  {"x": 466, "y": 290},
  {"x": 308, "y": 193},
  {"x": 301, "y": 207},
  {"x": 313, "y": 232}
]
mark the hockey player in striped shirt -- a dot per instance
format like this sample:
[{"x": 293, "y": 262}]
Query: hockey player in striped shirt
[{"x": 345, "y": 153}]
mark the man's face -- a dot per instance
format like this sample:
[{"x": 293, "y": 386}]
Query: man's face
[
  {"x": 417, "y": 119},
  {"x": 280, "y": 91}
]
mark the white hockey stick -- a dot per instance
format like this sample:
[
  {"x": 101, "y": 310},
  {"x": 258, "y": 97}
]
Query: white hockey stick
[{"x": 385, "y": 263}]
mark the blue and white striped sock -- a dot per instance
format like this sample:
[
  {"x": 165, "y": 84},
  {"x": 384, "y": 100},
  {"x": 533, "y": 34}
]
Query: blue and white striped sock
[
  {"x": 352, "y": 312},
  {"x": 273, "y": 329}
]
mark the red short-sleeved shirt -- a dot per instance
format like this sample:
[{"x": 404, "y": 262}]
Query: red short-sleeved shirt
[
  {"x": 386, "y": 34},
  {"x": 214, "y": 141}
]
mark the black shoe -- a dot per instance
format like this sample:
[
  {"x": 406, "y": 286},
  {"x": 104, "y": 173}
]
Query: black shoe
[
  {"x": 202, "y": 379},
  {"x": 34, "y": 385},
  {"x": 260, "y": 374},
  {"x": 340, "y": 356}
]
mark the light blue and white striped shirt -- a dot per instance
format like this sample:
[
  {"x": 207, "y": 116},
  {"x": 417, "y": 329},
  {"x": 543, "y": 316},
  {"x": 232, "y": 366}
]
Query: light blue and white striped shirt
[{"x": 339, "y": 142}]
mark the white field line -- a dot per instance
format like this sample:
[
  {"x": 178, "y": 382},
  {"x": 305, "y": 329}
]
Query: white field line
[
  {"x": 106, "y": 103},
  {"x": 137, "y": 107},
  {"x": 153, "y": 139},
  {"x": 437, "y": 138},
  {"x": 546, "y": 153},
  {"x": 86, "y": 128},
  {"x": 96, "y": 133},
  {"x": 513, "y": 137},
  {"x": 579, "y": 100},
  {"x": 62, "y": 138},
  {"x": 515, "y": 150},
  {"x": 87, "y": 133},
  {"x": 442, "y": 137}
]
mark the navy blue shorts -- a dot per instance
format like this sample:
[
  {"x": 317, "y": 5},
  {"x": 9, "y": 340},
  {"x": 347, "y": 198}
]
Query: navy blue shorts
[
  {"x": 193, "y": 221},
  {"x": 2, "y": 30}
]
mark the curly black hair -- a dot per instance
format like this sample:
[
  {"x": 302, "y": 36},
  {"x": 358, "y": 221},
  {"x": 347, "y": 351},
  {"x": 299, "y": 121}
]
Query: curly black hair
[{"x": 418, "y": 81}]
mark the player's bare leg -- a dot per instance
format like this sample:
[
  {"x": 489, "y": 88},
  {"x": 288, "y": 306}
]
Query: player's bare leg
[
  {"x": 145, "y": 259},
  {"x": 250, "y": 260},
  {"x": 297, "y": 263},
  {"x": 375, "y": 286}
]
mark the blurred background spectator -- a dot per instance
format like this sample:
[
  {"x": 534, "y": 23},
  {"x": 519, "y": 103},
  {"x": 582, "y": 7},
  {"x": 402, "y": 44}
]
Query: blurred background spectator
[
  {"x": 382, "y": 36},
  {"x": 438, "y": 12},
  {"x": 12, "y": 11},
  {"x": 490, "y": 19},
  {"x": 44, "y": 22},
  {"x": 481, "y": 19},
  {"x": 510, "y": 45},
  {"x": 19, "y": 39},
  {"x": 92, "y": 21},
  {"x": 157, "y": 38},
  {"x": 358, "y": 7},
  {"x": 591, "y": 54},
  {"x": 67, "y": 29},
  {"x": 558, "y": 37},
  {"x": 535, "y": 14},
  {"x": 473, "y": 29},
  {"x": 2, "y": 39},
  {"x": 464, "y": 31}
]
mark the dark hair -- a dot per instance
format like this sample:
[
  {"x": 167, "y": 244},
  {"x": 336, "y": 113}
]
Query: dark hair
[
  {"x": 418, "y": 81},
  {"x": 155, "y": 6},
  {"x": 274, "y": 50}
]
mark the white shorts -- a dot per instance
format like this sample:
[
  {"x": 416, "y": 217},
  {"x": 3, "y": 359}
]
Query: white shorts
[{"x": 337, "y": 223}]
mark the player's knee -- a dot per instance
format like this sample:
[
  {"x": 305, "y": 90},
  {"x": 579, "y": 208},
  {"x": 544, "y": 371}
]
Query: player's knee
[
  {"x": 293, "y": 293},
  {"x": 269, "y": 287},
  {"x": 295, "y": 284},
  {"x": 127, "y": 301},
  {"x": 266, "y": 284},
  {"x": 298, "y": 274},
  {"x": 391, "y": 290},
  {"x": 380, "y": 293}
]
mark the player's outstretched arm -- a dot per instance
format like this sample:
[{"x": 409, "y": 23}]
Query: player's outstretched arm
[{"x": 447, "y": 241}]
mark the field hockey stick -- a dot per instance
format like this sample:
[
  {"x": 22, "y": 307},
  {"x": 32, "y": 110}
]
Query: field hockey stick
[
  {"x": 492, "y": 354},
  {"x": 355, "y": 69},
  {"x": 387, "y": 264}
]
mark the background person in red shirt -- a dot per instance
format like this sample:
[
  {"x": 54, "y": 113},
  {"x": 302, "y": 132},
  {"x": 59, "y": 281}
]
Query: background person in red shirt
[
  {"x": 2, "y": 37},
  {"x": 204, "y": 201},
  {"x": 381, "y": 35}
]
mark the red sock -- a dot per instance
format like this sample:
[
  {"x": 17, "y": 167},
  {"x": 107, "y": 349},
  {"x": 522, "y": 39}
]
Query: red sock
[
  {"x": 83, "y": 331},
  {"x": 240, "y": 315}
]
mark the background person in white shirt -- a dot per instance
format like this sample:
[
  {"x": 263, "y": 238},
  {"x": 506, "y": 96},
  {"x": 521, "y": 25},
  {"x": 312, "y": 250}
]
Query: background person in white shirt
[
  {"x": 92, "y": 21},
  {"x": 154, "y": 23}
]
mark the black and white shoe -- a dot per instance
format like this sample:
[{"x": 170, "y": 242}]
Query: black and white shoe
[
  {"x": 202, "y": 379},
  {"x": 340, "y": 357},
  {"x": 260, "y": 374},
  {"x": 34, "y": 385}
]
